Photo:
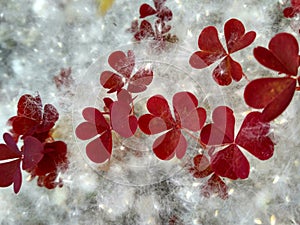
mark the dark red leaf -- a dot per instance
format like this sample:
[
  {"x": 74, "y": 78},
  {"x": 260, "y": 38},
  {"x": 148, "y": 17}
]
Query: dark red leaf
[
  {"x": 122, "y": 63},
  {"x": 186, "y": 111},
  {"x": 111, "y": 81},
  {"x": 11, "y": 174},
  {"x": 215, "y": 185},
  {"x": 121, "y": 120},
  {"x": 140, "y": 80},
  {"x": 282, "y": 55},
  {"x": 201, "y": 166},
  {"x": 54, "y": 159},
  {"x": 271, "y": 94},
  {"x": 170, "y": 144},
  {"x": 253, "y": 136},
  {"x": 221, "y": 131},
  {"x": 165, "y": 14},
  {"x": 33, "y": 152},
  {"x": 230, "y": 162},
  {"x": 158, "y": 106},
  {"x": 23, "y": 125},
  {"x": 94, "y": 116},
  {"x": 124, "y": 96},
  {"x": 146, "y": 10},
  {"x": 145, "y": 31},
  {"x": 50, "y": 117},
  {"x": 30, "y": 107},
  {"x": 10, "y": 150},
  {"x": 99, "y": 150},
  {"x": 290, "y": 12},
  {"x": 235, "y": 35},
  {"x": 227, "y": 70},
  {"x": 211, "y": 49},
  {"x": 150, "y": 124}
]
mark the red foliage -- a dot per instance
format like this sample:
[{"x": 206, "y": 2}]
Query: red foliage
[
  {"x": 161, "y": 11},
  {"x": 53, "y": 159},
  {"x": 188, "y": 116},
  {"x": 273, "y": 95},
  {"x": 121, "y": 120},
  {"x": 214, "y": 185},
  {"x": 124, "y": 65},
  {"x": 160, "y": 31},
  {"x": 40, "y": 155},
  {"x": 31, "y": 120},
  {"x": 293, "y": 10},
  {"x": 211, "y": 50},
  {"x": 253, "y": 137},
  {"x": 10, "y": 160}
]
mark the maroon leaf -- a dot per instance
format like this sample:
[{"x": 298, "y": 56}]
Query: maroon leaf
[
  {"x": 186, "y": 111},
  {"x": 145, "y": 31},
  {"x": 170, "y": 144},
  {"x": 30, "y": 107},
  {"x": 10, "y": 150},
  {"x": 140, "y": 80},
  {"x": 235, "y": 36},
  {"x": 33, "y": 153},
  {"x": 290, "y": 12},
  {"x": 151, "y": 124},
  {"x": 215, "y": 186},
  {"x": 282, "y": 55},
  {"x": 54, "y": 159},
  {"x": 271, "y": 94},
  {"x": 99, "y": 150},
  {"x": 50, "y": 117},
  {"x": 31, "y": 120},
  {"x": 211, "y": 49},
  {"x": 10, "y": 159},
  {"x": 230, "y": 162},
  {"x": 121, "y": 120},
  {"x": 158, "y": 106},
  {"x": 146, "y": 10},
  {"x": 227, "y": 70},
  {"x": 253, "y": 136},
  {"x": 201, "y": 167},
  {"x": 111, "y": 81},
  {"x": 122, "y": 63},
  {"x": 125, "y": 65},
  {"x": 222, "y": 130},
  {"x": 160, "y": 119}
]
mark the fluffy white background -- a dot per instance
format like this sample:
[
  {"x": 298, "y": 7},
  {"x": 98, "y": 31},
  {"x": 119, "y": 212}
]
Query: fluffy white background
[{"x": 38, "y": 37}]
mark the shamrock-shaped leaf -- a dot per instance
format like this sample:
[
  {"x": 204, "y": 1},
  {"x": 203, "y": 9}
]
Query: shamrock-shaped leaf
[
  {"x": 273, "y": 95},
  {"x": 124, "y": 65},
  {"x": 211, "y": 50},
  {"x": 31, "y": 120},
  {"x": 10, "y": 160},
  {"x": 53, "y": 159},
  {"x": 293, "y": 10},
  {"x": 253, "y": 136},
  {"x": 187, "y": 116},
  {"x": 33, "y": 152},
  {"x": 282, "y": 55},
  {"x": 122, "y": 121},
  {"x": 161, "y": 11},
  {"x": 98, "y": 150}
]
